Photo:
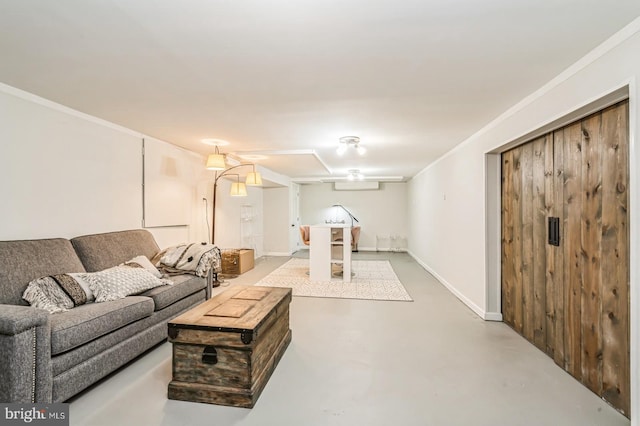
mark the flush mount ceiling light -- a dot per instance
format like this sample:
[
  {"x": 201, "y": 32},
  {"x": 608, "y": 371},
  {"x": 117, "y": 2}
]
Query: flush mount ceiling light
[
  {"x": 214, "y": 142},
  {"x": 252, "y": 157},
  {"x": 346, "y": 141},
  {"x": 354, "y": 174}
]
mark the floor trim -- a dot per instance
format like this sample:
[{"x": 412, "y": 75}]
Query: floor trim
[{"x": 487, "y": 316}]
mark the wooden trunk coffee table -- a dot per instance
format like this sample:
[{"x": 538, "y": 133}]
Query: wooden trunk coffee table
[{"x": 225, "y": 349}]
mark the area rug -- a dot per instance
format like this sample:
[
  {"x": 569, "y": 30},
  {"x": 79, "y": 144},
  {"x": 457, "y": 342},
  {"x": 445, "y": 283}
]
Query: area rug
[{"x": 373, "y": 280}]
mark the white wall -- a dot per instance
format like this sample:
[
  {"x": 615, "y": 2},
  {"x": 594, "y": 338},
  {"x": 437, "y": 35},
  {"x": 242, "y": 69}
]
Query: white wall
[
  {"x": 276, "y": 221},
  {"x": 381, "y": 213},
  {"x": 64, "y": 173},
  {"x": 449, "y": 237}
]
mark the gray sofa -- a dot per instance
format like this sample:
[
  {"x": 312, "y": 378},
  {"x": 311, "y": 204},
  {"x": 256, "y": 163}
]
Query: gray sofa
[{"x": 51, "y": 357}]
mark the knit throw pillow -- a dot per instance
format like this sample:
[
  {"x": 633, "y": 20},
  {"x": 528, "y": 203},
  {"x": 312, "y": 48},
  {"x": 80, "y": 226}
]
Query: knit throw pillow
[
  {"x": 122, "y": 281},
  {"x": 58, "y": 293}
]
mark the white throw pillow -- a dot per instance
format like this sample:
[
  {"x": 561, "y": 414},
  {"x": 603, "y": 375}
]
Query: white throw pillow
[
  {"x": 122, "y": 281},
  {"x": 146, "y": 264}
]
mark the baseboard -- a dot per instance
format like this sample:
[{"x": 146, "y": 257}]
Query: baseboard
[
  {"x": 487, "y": 316},
  {"x": 277, "y": 253},
  {"x": 404, "y": 250},
  {"x": 387, "y": 249},
  {"x": 493, "y": 316}
]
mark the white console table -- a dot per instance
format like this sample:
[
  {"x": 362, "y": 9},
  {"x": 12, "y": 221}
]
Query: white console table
[{"x": 322, "y": 241}]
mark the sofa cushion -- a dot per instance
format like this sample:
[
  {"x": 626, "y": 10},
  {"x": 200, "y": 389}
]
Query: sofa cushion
[
  {"x": 183, "y": 286},
  {"x": 102, "y": 251},
  {"x": 87, "y": 322},
  {"x": 69, "y": 359},
  {"x": 26, "y": 260}
]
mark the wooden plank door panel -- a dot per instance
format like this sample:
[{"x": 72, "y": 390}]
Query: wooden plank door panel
[
  {"x": 591, "y": 225},
  {"x": 516, "y": 212},
  {"x": 615, "y": 261},
  {"x": 518, "y": 195},
  {"x": 540, "y": 210},
  {"x": 572, "y": 245},
  {"x": 526, "y": 210},
  {"x": 508, "y": 263},
  {"x": 555, "y": 254}
]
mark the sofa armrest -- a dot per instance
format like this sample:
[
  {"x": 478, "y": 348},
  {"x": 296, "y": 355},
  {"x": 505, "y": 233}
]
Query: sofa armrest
[
  {"x": 25, "y": 355},
  {"x": 15, "y": 319}
]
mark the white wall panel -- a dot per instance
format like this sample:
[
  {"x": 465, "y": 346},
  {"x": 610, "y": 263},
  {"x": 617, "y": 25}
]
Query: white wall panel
[
  {"x": 64, "y": 173},
  {"x": 276, "y": 221},
  {"x": 64, "y": 176}
]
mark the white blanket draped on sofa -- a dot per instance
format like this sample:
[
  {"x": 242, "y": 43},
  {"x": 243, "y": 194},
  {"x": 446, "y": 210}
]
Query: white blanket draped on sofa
[{"x": 194, "y": 258}]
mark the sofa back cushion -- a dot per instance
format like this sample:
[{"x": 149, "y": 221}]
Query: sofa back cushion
[
  {"x": 25, "y": 260},
  {"x": 102, "y": 251}
]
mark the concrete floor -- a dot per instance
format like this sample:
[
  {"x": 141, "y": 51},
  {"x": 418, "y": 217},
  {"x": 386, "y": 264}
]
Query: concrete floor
[{"x": 356, "y": 362}]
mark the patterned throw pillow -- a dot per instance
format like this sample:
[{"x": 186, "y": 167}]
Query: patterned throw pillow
[
  {"x": 57, "y": 293},
  {"x": 122, "y": 281},
  {"x": 81, "y": 279}
]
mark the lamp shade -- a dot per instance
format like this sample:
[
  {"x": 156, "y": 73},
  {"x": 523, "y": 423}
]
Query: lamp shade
[
  {"x": 253, "y": 179},
  {"x": 238, "y": 189},
  {"x": 216, "y": 162}
]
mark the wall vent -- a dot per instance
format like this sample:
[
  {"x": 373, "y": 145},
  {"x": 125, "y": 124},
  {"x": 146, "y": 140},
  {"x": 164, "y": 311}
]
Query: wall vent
[{"x": 356, "y": 186}]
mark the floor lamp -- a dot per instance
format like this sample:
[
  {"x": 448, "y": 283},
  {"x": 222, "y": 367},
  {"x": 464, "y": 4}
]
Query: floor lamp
[
  {"x": 216, "y": 162},
  {"x": 238, "y": 189}
]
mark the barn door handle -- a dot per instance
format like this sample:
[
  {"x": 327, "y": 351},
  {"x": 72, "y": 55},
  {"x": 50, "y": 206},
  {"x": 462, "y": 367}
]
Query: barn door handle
[{"x": 554, "y": 231}]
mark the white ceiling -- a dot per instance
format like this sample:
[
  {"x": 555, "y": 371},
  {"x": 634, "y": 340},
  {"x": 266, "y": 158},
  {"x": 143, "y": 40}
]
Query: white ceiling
[{"x": 411, "y": 78}]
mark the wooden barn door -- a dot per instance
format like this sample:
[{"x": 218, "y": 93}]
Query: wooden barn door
[{"x": 570, "y": 297}]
